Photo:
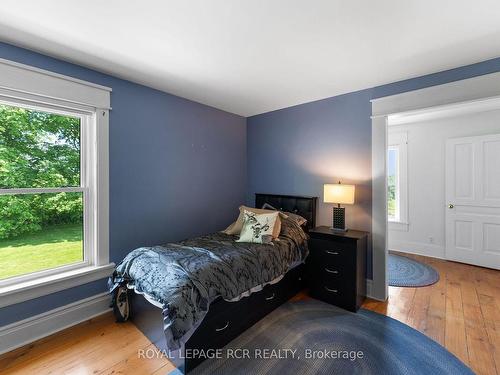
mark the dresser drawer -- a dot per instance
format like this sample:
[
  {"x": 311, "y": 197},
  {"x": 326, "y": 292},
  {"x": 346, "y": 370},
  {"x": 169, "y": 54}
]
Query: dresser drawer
[
  {"x": 270, "y": 297},
  {"x": 331, "y": 262},
  {"x": 219, "y": 323},
  {"x": 331, "y": 273},
  {"x": 331, "y": 245},
  {"x": 335, "y": 294},
  {"x": 331, "y": 252}
]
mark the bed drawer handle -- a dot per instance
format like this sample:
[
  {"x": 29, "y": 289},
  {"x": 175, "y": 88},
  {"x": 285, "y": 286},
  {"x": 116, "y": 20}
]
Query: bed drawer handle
[
  {"x": 331, "y": 290},
  {"x": 223, "y": 328},
  {"x": 332, "y": 252},
  {"x": 331, "y": 271},
  {"x": 270, "y": 298}
]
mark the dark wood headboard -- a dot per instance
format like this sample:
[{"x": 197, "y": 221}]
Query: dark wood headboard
[{"x": 303, "y": 206}]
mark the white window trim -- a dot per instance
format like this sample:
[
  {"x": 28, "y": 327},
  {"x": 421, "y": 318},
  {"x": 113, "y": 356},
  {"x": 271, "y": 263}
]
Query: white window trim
[
  {"x": 10, "y": 295},
  {"x": 399, "y": 139},
  {"x": 28, "y": 86}
]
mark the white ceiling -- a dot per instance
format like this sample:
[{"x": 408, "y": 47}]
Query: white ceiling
[{"x": 254, "y": 56}]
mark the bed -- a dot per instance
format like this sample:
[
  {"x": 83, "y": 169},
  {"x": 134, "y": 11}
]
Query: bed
[{"x": 198, "y": 333}]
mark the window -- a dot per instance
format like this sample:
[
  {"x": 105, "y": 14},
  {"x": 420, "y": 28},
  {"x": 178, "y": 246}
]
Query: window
[
  {"x": 53, "y": 182},
  {"x": 43, "y": 191},
  {"x": 397, "y": 187},
  {"x": 393, "y": 191}
]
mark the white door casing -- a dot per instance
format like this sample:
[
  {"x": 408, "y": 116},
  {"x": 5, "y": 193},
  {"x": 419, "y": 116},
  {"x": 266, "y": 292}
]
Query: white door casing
[
  {"x": 473, "y": 200},
  {"x": 441, "y": 100}
]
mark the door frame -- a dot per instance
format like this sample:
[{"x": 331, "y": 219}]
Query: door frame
[{"x": 470, "y": 95}]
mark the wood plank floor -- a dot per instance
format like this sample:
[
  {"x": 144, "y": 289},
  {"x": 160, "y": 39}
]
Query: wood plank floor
[{"x": 461, "y": 312}]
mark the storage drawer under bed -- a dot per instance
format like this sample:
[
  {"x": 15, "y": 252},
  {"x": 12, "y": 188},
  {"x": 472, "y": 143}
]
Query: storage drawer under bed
[{"x": 224, "y": 320}]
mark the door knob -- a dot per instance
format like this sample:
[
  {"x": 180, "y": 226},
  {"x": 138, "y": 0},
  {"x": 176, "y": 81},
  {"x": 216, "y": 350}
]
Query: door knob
[{"x": 450, "y": 206}]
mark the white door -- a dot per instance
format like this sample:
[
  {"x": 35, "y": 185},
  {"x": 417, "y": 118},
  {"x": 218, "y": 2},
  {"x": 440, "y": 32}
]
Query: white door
[{"x": 473, "y": 200}]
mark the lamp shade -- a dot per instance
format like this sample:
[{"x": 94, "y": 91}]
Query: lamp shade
[{"x": 338, "y": 193}]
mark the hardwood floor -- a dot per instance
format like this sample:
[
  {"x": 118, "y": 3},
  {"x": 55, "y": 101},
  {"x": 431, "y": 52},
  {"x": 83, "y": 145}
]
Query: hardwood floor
[
  {"x": 461, "y": 312},
  {"x": 98, "y": 346}
]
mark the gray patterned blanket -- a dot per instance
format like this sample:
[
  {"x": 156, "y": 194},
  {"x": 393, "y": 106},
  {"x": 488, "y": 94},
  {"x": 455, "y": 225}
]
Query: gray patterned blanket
[{"x": 185, "y": 277}]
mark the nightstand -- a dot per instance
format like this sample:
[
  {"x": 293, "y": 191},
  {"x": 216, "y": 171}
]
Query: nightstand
[{"x": 336, "y": 267}]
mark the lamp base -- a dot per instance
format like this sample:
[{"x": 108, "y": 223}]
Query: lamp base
[
  {"x": 339, "y": 219},
  {"x": 338, "y": 230}
]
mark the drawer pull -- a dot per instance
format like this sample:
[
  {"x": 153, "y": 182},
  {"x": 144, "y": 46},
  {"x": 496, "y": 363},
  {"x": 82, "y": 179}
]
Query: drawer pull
[
  {"x": 270, "y": 298},
  {"x": 331, "y": 290},
  {"x": 331, "y": 271},
  {"x": 332, "y": 252},
  {"x": 223, "y": 328}
]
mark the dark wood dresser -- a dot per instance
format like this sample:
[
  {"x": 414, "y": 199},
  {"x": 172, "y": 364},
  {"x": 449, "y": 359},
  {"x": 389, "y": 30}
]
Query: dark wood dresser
[{"x": 336, "y": 267}]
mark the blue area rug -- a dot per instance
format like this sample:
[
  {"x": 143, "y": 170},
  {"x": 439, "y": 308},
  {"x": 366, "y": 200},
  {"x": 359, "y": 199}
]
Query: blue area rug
[
  {"x": 285, "y": 341},
  {"x": 407, "y": 272}
]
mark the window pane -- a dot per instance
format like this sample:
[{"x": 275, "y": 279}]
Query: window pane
[
  {"x": 40, "y": 231},
  {"x": 392, "y": 184},
  {"x": 38, "y": 149}
]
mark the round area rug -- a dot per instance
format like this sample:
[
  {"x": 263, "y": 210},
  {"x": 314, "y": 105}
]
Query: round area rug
[
  {"x": 312, "y": 337},
  {"x": 408, "y": 272}
]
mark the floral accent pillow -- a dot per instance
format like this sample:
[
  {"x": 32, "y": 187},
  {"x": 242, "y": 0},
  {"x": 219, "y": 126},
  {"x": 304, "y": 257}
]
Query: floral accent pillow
[{"x": 257, "y": 228}]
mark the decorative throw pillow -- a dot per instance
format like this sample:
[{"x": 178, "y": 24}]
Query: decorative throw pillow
[
  {"x": 236, "y": 227},
  {"x": 257, "y": 228}
]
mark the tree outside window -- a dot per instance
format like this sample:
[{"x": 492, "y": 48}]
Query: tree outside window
[
  {"x": 393, "y": 204},
  {"x": 39, "y": 230}
]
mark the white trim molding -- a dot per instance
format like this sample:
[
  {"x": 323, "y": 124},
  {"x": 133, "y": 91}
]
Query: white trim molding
[
  {"x": 472, "y": 89},
  {"x": 42, "y": 86},
  {"x": 24, "y": 291},
  {"x": 379, "y": 208},
  {"x": 478, "y": 92},
  {"x": 26, "y": 331},
  {"x": 33, "y": 88},
  {"x": 446, "y": 110}
]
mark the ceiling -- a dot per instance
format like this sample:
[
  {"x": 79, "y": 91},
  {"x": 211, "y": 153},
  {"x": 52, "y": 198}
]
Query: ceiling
[{"x": 254, "y": 56}]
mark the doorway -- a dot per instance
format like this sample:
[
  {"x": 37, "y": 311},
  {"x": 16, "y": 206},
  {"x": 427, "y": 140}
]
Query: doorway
[
  {"x": 480, "y": 93},
  {"x": 443, "y": 187}
]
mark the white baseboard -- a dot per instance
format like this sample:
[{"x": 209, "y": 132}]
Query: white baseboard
[
  {"x": 25, "y": 331},
  {"x": 418, "y": 248}
]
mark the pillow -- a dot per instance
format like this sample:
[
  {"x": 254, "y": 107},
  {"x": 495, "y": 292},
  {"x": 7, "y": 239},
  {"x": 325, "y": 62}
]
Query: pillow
[
  {"x": 235, "y": 228},
  {"x": 269, "y": 207},
  {"x": 298, "y": 219},
  {"x": 257, "y": 228}
]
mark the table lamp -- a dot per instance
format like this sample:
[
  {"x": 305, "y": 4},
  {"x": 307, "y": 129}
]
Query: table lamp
[{"x": 339, "y": 194}]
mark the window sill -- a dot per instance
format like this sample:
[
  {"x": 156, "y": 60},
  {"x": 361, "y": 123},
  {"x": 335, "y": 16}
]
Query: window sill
[
  {"x": 398, "y": 225},
  {"x": 24, "y": 291}
]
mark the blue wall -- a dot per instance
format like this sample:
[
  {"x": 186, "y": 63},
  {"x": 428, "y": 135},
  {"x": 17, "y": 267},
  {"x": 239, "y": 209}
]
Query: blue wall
[
  {"x": 177, "y": 169},
  {"x": 173, "y": 161},
  {"x": 296, "y": 150}
]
